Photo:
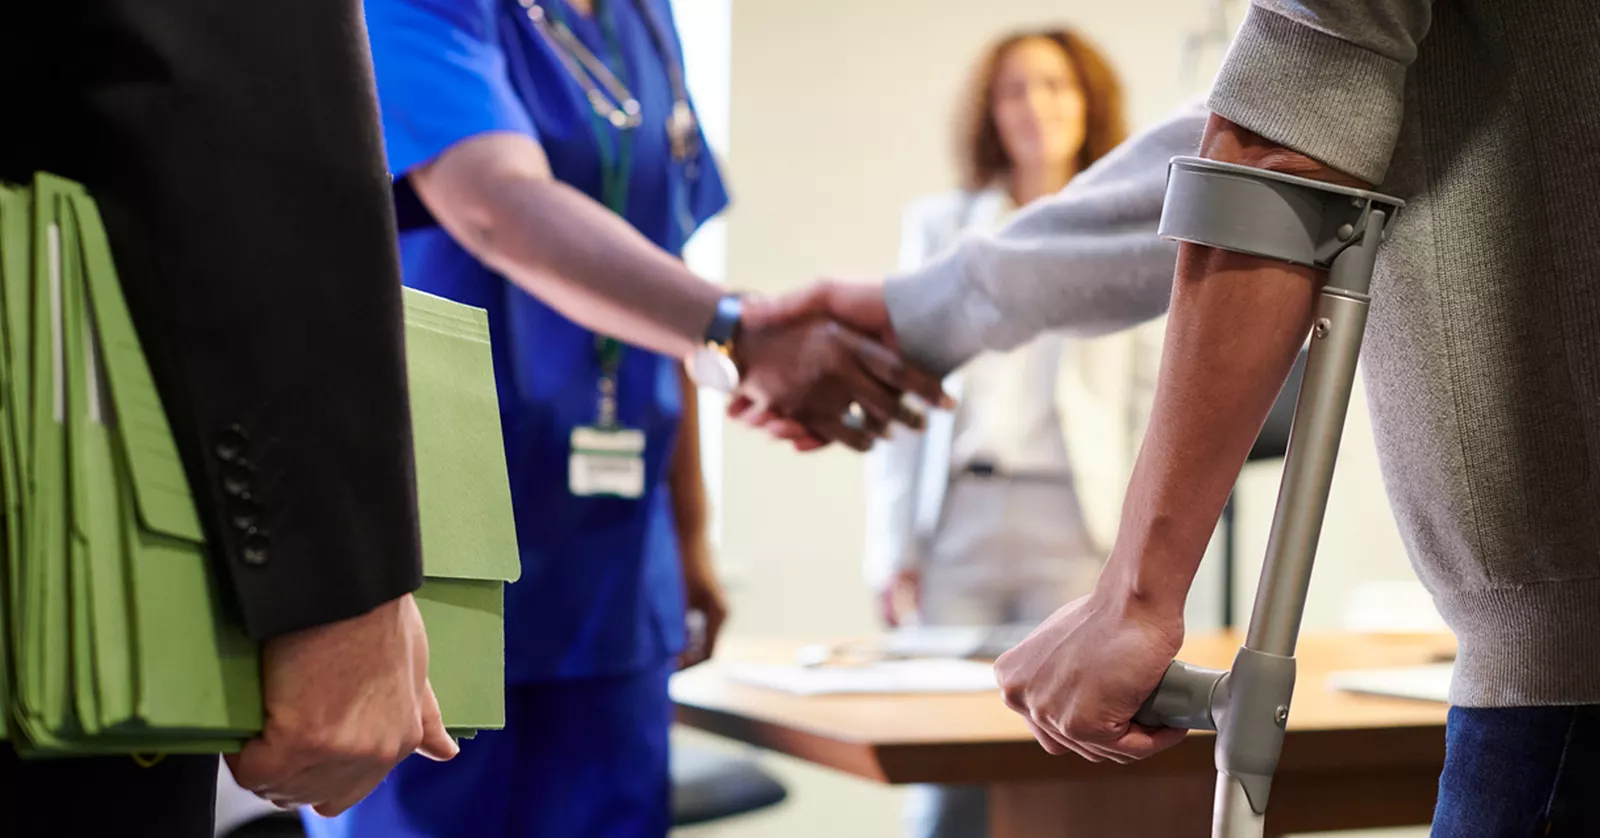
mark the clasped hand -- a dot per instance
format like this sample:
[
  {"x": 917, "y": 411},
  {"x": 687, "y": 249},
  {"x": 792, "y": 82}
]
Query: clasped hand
[{"x": 821, "y": 366}]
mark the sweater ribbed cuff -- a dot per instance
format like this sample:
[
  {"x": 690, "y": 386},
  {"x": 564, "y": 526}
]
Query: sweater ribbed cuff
[
  {"x": 1526, "y": 646},
  {"x": 939, "y": 316},
  {"x": 1321, "y": 96}
]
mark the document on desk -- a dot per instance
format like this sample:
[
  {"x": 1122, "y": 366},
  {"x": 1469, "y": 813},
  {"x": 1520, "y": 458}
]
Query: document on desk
[
  {"x": 895, "y": 677},
  {"x": 1417, "y": 683}
]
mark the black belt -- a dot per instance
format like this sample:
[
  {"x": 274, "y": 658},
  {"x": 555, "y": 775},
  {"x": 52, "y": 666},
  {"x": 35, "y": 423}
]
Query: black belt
[{"x": 988, "y": 470}]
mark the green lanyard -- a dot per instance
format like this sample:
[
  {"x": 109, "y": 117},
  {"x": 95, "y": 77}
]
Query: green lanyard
[{"x": 616, "y": 173}]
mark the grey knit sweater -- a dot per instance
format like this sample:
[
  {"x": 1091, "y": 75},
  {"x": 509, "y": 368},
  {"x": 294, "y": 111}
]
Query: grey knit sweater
[{"x": 1483, "y": 349}]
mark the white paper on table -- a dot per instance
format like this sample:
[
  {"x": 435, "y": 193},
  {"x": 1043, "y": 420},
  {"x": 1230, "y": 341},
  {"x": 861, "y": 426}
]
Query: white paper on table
[
  {"x": 955, "y": 641},
  {"x": 882, "y": 678},
  {"x": 1418, "y": 683}
]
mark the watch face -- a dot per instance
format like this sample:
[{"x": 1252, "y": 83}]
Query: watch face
[{"x": 712, "y": 370}]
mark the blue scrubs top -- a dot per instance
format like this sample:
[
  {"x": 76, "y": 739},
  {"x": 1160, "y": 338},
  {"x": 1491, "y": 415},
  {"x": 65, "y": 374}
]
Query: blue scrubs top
[{"x": 601, "y": 591}]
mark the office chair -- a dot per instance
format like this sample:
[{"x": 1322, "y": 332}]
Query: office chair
[{"x": 711, "y": 786}]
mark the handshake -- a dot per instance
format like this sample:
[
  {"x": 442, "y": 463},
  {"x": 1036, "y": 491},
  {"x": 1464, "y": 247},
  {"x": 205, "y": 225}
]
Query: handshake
[{"x": 822, "y": 365}]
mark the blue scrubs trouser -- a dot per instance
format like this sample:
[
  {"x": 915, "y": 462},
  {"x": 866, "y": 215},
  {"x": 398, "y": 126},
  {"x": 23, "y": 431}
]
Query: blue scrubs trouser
[{"x": 585, "y": 758}]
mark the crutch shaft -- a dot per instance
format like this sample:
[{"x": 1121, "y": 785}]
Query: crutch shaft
[
  {"x": 1319, "y": 417},
  {"x": 1231, "y": 815}
]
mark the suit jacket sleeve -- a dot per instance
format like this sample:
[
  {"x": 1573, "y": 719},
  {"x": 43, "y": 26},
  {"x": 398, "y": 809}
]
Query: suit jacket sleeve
[{"x": 235, "y": 152}]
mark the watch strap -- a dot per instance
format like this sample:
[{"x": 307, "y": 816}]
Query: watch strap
[{"x": 724, "y": 324}]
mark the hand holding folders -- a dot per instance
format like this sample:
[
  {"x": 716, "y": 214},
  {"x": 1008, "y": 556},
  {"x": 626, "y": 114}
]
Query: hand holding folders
[{"x": 116, "y": 635}]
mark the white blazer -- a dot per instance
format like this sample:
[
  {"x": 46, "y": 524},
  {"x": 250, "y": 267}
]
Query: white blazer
[{"x": 1102, "y": 395}]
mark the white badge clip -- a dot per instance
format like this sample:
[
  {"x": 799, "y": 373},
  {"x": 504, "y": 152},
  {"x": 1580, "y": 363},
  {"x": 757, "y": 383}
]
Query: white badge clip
[{"x": 606, "y": 462}]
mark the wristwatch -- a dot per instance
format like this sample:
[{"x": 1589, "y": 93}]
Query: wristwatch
[{"x": 711, "y": 364}]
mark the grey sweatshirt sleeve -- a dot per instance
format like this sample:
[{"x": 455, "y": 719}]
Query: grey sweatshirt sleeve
[
  {"x": 1324, "y": 77},
  {"x": 1086, "y": 260}
]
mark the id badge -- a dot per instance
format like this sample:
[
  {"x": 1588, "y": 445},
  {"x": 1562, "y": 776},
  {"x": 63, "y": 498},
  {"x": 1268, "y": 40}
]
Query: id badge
[{"x": 606, "y": 462}]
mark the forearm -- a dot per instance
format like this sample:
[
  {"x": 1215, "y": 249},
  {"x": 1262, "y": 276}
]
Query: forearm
[
  {"x": 1235, "y": 326},
  {"x": 686, "y": 480},
  {"x": 561, "y": 246},
  {"x": 1234, "y": 329},
  {"x": 496, "y": 197}
]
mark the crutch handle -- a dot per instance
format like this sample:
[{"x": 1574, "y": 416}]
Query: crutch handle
[{"x": 1188, "y": 697}]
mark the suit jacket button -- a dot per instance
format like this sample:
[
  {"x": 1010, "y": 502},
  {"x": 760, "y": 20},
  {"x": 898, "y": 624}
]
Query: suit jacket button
[
  {"x": 255, "y": 548},
  {"x": 236, "y": 487},
  {"x": 227, "y": 451}
]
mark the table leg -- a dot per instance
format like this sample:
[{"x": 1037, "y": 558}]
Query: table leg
[{"x": 1167, "y": 806}]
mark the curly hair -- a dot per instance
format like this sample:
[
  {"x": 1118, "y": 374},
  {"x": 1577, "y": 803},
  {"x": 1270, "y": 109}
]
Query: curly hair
[{"x": 983, "y": 157}]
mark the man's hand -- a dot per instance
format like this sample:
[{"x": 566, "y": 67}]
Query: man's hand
[
  {"x": 1080, "y": 677},
  {"x": 703, "y": 597},
  {"x": 858, "y": 306},
  {"x": 345, "y": 703},
  {"x": 905, "y": 584},
  {"x": 828, "y": 380}
]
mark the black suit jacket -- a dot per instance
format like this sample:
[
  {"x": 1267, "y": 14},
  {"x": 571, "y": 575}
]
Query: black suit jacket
[{"x": 235, "y": 152}]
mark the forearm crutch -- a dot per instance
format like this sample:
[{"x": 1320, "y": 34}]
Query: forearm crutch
[{"x": 1302, "y": 222}]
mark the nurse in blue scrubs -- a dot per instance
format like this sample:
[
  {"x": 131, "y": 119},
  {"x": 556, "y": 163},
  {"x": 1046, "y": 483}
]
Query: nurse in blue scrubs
[{"x": 549, "y": 145}]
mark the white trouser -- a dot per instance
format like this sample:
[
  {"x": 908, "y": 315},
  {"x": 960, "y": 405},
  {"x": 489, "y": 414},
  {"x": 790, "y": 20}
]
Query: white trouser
[{"x": 1005, "y": 552}]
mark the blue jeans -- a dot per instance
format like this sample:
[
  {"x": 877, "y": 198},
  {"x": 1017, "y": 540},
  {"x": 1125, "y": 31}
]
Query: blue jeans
[{"x": 1520, "y": 772}]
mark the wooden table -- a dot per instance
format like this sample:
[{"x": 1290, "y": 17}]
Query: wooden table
[{"x": 1350, "y": 762}]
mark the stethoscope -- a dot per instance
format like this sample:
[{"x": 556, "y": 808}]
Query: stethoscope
[{"x": 608, "y": 96}]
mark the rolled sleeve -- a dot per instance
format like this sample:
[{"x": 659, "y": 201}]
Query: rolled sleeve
[
  {"x": 441, "y": 77},
  {"x": 1324, "y": 78}
]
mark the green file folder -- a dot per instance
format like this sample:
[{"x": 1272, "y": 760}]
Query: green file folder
[
  {"x": 118, "y": 635},
  {"x": 15, "y": 222},
  {"x": 469, "y": 547}
]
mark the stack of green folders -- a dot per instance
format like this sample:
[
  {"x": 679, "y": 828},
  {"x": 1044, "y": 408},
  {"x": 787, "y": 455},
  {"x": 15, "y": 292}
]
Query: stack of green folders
[{"x": 117, "y": 637}]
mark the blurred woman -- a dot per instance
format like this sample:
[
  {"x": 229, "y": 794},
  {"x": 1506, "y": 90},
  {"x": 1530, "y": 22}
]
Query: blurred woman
[{"x": 976, "y": 521}]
